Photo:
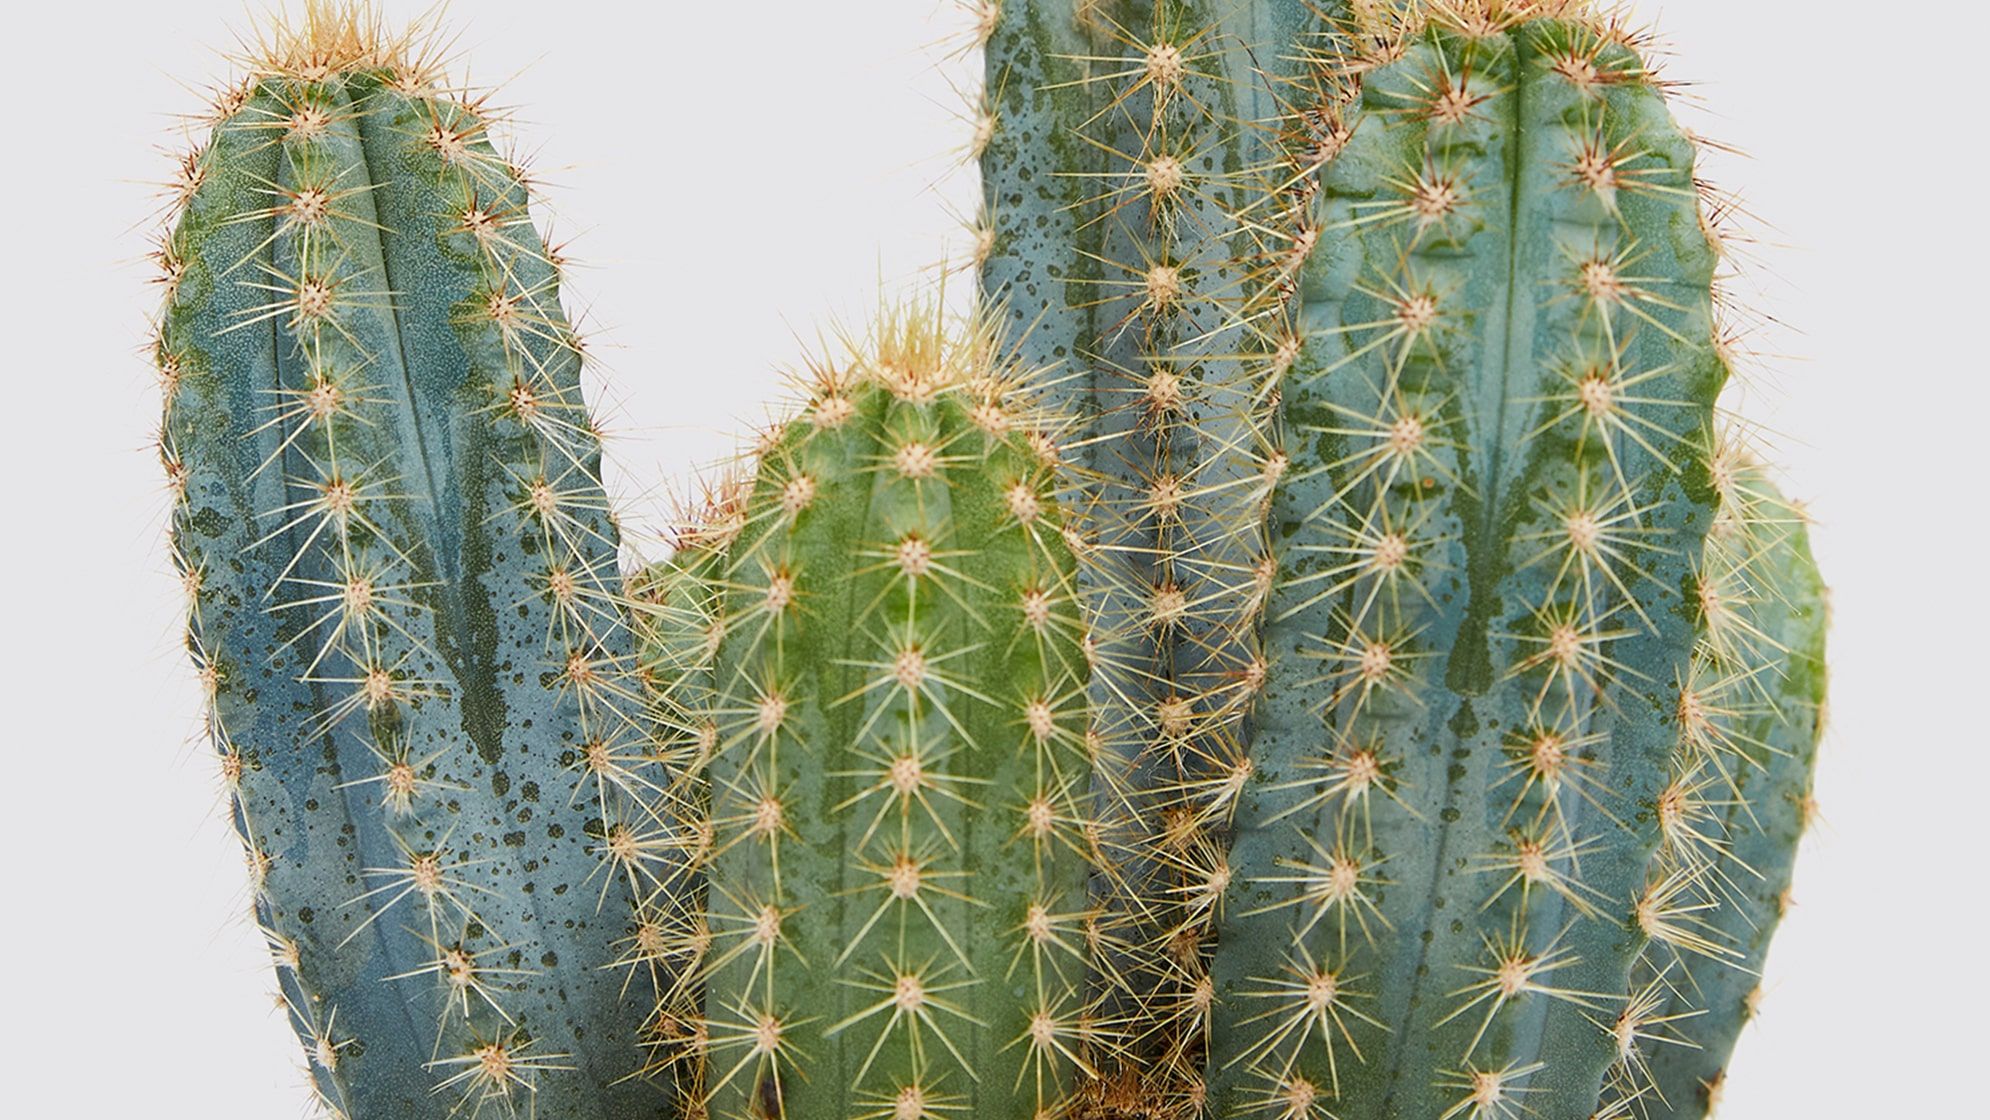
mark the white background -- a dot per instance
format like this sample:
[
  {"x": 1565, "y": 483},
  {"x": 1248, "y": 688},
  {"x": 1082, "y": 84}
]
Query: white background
[{"x": 745, "y": 173}]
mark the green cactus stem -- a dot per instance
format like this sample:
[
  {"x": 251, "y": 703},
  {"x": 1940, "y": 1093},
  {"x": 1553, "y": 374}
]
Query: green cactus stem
[{"x": 898, "y": 836}]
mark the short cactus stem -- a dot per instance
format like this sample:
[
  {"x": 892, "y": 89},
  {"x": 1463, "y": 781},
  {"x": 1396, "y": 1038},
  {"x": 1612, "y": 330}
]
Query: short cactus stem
[{"x": 897, "y": 787}]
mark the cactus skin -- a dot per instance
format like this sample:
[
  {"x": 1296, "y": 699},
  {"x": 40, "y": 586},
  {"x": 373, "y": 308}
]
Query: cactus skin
[
  {"x": 403, "y": 587},
  {"x": 1484, "y": 610},
  {"x": 1743, "y": 797},
  {"x": 898, "y": 839}
]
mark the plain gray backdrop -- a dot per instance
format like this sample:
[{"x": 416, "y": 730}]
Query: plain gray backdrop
[{"x": 742, "y": 175}]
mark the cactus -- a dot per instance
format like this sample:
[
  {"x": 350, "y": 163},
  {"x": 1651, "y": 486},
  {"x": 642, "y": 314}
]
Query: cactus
[
  {"x": 1483, "y": 857},
  {"x": 404, "y": 599},
  {"x": 1139, "y": 235},
  {"x": 896, "y": 846},
  {"x": 1305, "y": 648}
]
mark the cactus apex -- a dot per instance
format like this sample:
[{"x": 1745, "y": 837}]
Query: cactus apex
[{"x": 320, "y": 39}]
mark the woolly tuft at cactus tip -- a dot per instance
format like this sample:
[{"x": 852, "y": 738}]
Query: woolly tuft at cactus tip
[{"x": 669, "y": 227}]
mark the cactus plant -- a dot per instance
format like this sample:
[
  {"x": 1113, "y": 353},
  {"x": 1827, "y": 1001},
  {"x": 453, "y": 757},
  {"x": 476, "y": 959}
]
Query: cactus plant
[
  {"x": 1305, "y": 648},
  {"x": 1501, "y": 833},
  {"x": 403, "y": 587},
  {"x": 893, "y": 828}
]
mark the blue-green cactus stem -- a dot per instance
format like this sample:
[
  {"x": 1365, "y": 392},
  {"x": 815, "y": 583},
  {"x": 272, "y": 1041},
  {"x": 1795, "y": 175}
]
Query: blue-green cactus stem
[
  {"x": 1141, "y": 236},
  {"x": 1484, "y": 607},
  {"x": 404, "y": 593},
  {"x": 1739, "y": 799}
]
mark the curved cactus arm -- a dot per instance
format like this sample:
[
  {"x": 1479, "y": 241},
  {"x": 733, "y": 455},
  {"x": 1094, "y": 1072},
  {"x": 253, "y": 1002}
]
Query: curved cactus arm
[
  {"x": 1739, "y": 800},
  {"x": 899, "y": 845},
  {"x": 405, "y": 602},
  {"x": 1484, "y": 607}
]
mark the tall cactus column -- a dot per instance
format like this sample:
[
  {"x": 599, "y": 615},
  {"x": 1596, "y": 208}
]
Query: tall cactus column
[
  {"x": 403, "y": 584},
  {"x": 1486, "y": 599},
  {"x": 1140, "y": 236}
]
